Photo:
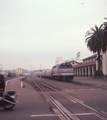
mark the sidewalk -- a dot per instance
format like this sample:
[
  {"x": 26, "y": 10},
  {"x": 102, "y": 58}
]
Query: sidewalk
[
  {"x": 24, "y": 86},
  {"x": 89, "y": 80}
]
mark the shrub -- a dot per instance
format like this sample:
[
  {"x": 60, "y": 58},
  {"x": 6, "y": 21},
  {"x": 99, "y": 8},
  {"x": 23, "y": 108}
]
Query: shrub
[{"x": 98, "y": 73}]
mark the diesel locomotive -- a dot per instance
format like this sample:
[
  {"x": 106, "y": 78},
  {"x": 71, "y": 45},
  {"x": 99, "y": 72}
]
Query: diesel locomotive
[{"x": 63, "y": 72}]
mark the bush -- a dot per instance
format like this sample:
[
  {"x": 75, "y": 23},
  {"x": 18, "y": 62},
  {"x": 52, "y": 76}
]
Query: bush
[{"x": 98, "y": 73}]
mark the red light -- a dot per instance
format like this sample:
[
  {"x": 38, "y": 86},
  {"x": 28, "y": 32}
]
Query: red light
[{"x": 16, "y": 95}]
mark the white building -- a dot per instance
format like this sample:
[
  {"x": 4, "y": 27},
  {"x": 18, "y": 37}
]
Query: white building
[
  {"x": 59, "y": 60},
  {"x": 19, "y": 71}
]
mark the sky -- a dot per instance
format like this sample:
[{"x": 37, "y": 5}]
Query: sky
[{"x": 33, "y": 33}]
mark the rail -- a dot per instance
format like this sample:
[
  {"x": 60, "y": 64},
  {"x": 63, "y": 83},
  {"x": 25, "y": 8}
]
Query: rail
[{"x": 76, "y": 100}]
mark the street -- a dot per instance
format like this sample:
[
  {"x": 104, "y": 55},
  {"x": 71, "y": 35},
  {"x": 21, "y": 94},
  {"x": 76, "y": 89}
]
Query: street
[{"x": 34, "y": 105}]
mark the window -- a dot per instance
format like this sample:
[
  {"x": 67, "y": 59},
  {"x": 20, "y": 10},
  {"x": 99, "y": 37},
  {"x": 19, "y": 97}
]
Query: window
[{"x": 66, "y": 65}]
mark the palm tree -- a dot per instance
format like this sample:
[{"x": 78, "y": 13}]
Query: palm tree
[
  {"x": 95, "y": 41},
  {"x": 105, "y": 32}
]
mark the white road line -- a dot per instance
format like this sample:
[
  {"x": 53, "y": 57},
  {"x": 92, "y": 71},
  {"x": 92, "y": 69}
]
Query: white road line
[
  {"x": 61, "y": 117},
  {"x": 89, "y": 89},
  {"x": 45, "y": 115},
  {"x": 83, "y": 114}
]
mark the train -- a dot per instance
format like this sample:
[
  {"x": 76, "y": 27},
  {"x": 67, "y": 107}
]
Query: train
[{"x": 63, "y": 72}]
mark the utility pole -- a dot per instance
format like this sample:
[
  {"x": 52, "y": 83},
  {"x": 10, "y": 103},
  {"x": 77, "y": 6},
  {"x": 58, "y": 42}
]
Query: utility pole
[
  {"x": 30, "y": 68},
  {"x": 40, "y": 66},
  {"x": 1, "y": 68}
]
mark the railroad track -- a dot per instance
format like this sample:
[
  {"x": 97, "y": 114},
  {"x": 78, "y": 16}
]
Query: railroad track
[
  {"x": 67, "y": 114},
  {"x": 64, "y": 112}
]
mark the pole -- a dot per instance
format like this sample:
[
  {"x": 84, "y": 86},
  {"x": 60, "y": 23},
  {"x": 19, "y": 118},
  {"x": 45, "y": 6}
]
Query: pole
[
  {"x": 40, "y": 66},
  {"x": 30, "y": 68},
  {"x": 1, "y": 68}
]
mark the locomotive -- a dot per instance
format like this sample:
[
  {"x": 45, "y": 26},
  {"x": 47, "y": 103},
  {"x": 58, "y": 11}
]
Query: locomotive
[{"x": 63, "y": 72}]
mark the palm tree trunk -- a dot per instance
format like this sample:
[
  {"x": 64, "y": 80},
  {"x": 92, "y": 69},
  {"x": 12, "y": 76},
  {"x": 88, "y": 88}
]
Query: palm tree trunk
[{"x": 98, "y": 60}]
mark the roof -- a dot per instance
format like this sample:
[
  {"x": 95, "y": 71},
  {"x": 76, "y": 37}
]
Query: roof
[
  {"x": 76, "y": 61},
  {"x": 84, "y": 64},
  {"x": 93, "y": 56}
]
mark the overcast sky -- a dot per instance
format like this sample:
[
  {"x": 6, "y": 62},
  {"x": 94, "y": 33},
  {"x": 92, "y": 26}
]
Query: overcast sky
[{"x": 34, "y": 32}]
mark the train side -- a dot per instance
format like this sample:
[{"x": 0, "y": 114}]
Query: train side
[
  {"x": 38, "y": 73},
  {"x": 63, "y": 72},
  {"x": 48, "y": 73}
]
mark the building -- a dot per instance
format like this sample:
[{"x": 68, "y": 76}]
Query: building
[
  {"x": 90, "y": 64},
  {"x": 19, "y": 72},
  {"x": 59, "y": 60},
  {"x": 104, "y": 63},
  {"x": 1, "y": 69},
  {"x": 87, "y": 66}
]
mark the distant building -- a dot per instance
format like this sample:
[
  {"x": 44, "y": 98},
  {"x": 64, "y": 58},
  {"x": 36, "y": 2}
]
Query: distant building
[
  {"x": 19, "y": 72},
  {"x": 1, "y": 69},
  {"x": 59, "y": 60}
]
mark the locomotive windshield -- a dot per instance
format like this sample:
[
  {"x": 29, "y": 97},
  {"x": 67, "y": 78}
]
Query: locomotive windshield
[{"x": 65, "y": 65}]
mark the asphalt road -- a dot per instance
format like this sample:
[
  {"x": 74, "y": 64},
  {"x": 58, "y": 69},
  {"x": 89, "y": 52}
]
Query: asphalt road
[
  {"x": 34, "y": 106},
  {"x": 93, "y": 92},
  {"x": 31, "y": 103}
]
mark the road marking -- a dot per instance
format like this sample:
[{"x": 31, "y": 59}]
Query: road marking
[
  {"x": 65, "y": 110},
  {"x": 90, "y": 89},
  {"x": 45, "y": 115},
  {"x": 83, "y": 114},
  {"x": 26, "y": 90},
  {"x": 61, "y": 117}
]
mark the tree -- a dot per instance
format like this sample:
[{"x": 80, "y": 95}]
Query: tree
[
  {"x": 95, "y": 41},
  {"x": 105, "y": 32}
]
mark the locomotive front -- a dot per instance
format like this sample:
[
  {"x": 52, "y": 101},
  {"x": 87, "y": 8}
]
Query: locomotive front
[
  {"x": 66, "y": 72},
  {"x": 63, "y": 72}
]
